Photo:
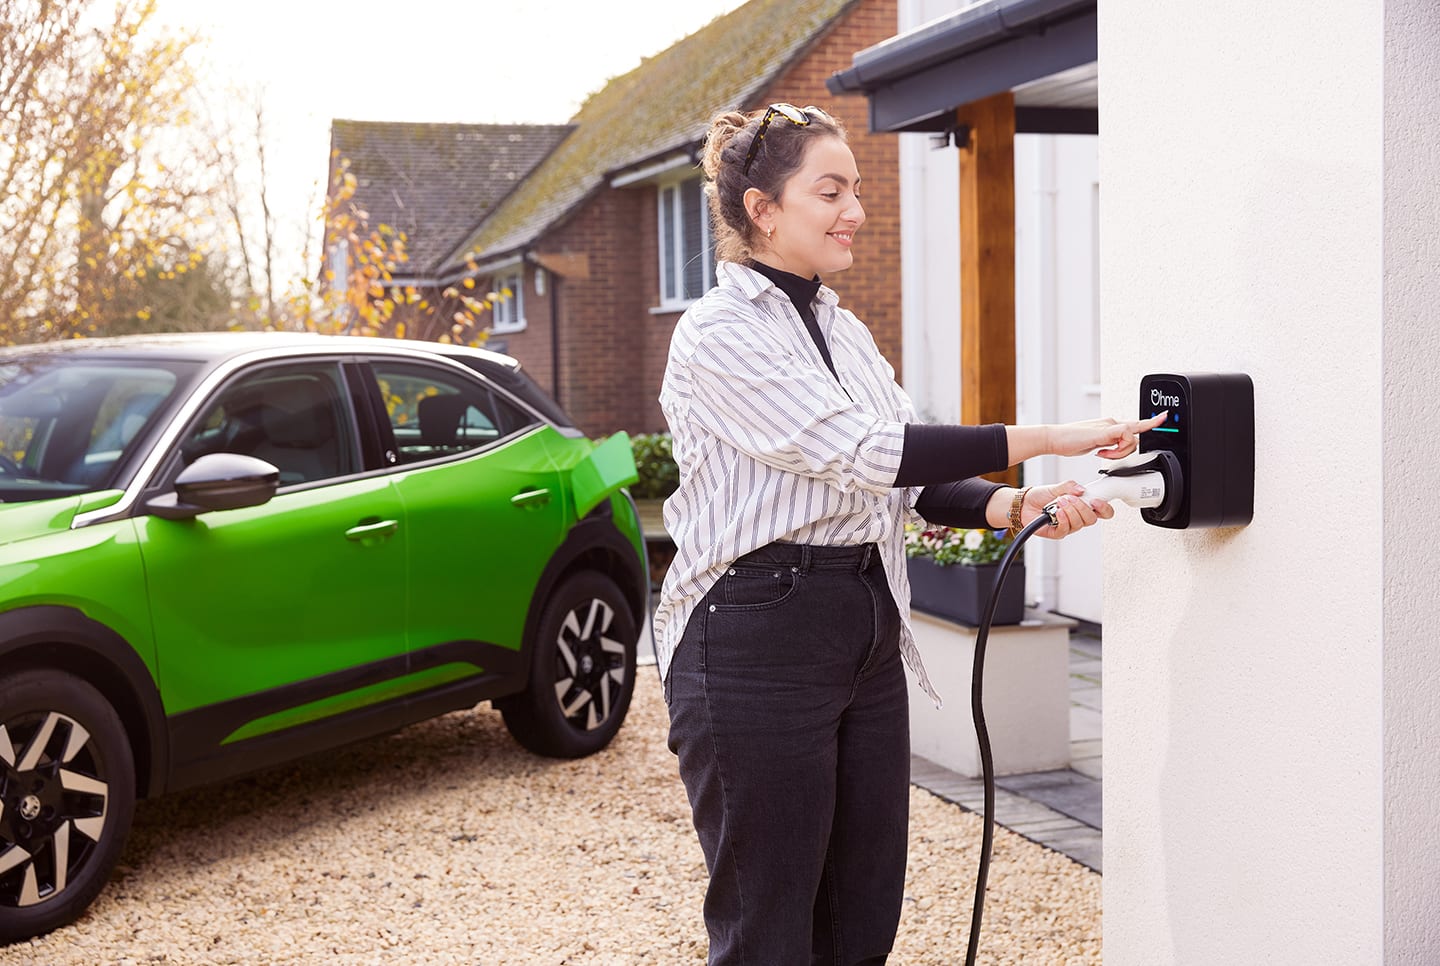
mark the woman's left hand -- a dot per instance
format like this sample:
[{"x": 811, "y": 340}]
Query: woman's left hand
[{"x": 1075, "y": 511}]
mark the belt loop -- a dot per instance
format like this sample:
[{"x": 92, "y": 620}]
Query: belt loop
[
  {"x": 865, "y": 558},
  {"x": 805, "y": 558}
]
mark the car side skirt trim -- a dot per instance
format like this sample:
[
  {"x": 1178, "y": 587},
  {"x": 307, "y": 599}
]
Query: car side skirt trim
[{"x": 200, "y": 752}]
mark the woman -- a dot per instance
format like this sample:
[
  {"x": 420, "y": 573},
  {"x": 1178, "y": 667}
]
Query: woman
[{"x": 782, "y": 623}]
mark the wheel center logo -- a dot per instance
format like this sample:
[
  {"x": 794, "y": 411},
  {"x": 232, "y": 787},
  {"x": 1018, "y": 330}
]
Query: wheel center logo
[
  {"x": 587, "y": 664},
  {"x": 29, "y": 808}
]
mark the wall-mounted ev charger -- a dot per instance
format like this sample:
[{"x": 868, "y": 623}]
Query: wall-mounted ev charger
[
  {"x": 1197, "y": 469},
  {"x": 1211, "y": 434}
]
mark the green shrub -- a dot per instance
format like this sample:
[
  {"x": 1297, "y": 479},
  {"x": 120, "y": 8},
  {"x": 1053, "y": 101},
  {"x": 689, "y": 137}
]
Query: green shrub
[{"x": 659, "y": 476}]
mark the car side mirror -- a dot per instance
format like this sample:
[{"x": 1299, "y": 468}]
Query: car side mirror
[{"x": 217, "y": 481}]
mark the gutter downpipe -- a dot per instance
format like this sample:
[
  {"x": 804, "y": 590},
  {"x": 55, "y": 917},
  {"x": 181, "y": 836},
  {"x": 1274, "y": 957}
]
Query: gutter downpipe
[{"x": 553, "y": 280}]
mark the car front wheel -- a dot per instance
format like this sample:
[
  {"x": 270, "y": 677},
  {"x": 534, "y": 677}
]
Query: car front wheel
[
  {"x": 67, "y": 794},
  {"x": 582, "y": 671}
]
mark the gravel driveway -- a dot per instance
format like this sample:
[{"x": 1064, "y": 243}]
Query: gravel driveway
[{"x": 446, "y": 843}]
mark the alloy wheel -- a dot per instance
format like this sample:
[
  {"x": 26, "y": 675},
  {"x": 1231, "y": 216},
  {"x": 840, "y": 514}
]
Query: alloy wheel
[
  {"x": 590, "y": 666},
  {"x": 53, "y": 803}
]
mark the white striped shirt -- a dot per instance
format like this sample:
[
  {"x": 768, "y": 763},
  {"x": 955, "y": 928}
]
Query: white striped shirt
[{"x": 770, "y": 447}]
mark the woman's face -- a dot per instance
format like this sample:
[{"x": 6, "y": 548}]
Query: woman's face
[{"x": 817, "y": 214}]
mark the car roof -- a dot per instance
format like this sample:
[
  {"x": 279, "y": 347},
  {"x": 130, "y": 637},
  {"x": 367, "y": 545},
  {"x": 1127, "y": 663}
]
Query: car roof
[{"x": 215, "y": 347}]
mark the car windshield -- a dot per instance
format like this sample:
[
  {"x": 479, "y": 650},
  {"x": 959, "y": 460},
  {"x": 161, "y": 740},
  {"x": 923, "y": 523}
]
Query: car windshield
[{"x": 68, "y": 423}]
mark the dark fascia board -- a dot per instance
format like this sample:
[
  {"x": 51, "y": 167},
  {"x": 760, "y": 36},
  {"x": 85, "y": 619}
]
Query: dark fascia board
[{"x": 916, "y": 80}]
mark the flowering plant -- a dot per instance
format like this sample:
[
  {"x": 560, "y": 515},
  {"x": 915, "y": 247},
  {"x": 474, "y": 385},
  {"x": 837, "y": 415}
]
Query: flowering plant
[{"x": 949, "y": 545}]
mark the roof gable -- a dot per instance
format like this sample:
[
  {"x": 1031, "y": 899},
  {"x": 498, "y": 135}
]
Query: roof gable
[
  {"x": 436, "y": 182},
  {"x": 662, "y": 106}
]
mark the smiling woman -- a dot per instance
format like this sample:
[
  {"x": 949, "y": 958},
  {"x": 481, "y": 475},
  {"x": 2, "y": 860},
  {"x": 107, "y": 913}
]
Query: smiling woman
[{"x": 783, "y": 625}]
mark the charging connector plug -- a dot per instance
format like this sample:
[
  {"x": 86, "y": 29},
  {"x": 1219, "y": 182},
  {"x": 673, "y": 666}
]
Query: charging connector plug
[
  {"x": 1140, "y": 490},
  {"x": 1145, "y": 481}
]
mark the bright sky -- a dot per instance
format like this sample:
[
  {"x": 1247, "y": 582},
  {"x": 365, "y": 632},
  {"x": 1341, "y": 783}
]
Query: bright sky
[{"x": 421, "y": 60}]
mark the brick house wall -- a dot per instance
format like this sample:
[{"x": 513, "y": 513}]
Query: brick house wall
[
  {"x": 601, "y": 344},
  {"x": 600, "y": 337}
]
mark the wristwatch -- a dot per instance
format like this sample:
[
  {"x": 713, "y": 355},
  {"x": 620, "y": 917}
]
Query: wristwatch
[{"x": 1015, "y": 525}]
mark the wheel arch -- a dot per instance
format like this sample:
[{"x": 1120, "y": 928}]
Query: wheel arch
[
  {"x": 64, "y": 638},
  {"x": 593, "y": 544}
]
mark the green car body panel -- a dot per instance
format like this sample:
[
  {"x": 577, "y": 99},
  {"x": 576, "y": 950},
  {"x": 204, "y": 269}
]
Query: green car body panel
[
  {"x": 453, "y": 569},
  {"x": 315, "y": 600},
  {"x": 95, "y": 570},
  {"x": 508, "y": 497}
]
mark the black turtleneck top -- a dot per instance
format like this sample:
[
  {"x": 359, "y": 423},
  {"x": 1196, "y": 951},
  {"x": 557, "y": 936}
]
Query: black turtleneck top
[{"x": 944, "y": 459}]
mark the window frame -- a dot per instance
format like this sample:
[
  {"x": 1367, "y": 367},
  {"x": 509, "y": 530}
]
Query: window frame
[
  {"x": 677, "y": 257},
  {"x": 514, "y": 302}
]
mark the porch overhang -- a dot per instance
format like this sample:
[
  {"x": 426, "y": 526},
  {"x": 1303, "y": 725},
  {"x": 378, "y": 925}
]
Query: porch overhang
[{"x": 1045, "y": 52}]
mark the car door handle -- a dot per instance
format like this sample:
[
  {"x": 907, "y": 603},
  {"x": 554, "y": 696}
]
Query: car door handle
[
  {"x": 538, "y": 497},
  {"x": 369, "y": 531}
]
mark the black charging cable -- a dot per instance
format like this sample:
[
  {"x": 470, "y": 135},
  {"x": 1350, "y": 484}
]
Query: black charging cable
[{"x": 977, "y": 713}]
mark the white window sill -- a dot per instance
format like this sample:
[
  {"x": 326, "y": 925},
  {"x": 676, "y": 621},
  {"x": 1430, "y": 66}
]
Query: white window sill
[
  {"x": 508, "y": 328},
  {"x": 666, "y": 308}
]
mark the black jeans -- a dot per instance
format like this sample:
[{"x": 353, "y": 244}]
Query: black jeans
[{"x": 788, "y": 711}]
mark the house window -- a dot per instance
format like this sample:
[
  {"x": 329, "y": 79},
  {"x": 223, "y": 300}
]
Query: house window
[
  {"x": 340, "y": 267},
  {"x": 508, "y": 301},
  {"x": 687, "y": 250}
]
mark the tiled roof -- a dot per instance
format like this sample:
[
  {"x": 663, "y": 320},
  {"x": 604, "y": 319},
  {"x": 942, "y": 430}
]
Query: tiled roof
[
  {"x": 662, "y": 106},
  {"x": 436, "y": 182}
]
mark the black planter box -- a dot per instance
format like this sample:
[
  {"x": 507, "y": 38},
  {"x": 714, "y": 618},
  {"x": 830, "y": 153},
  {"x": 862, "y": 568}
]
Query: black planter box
[{"x": 959, "y": 592}]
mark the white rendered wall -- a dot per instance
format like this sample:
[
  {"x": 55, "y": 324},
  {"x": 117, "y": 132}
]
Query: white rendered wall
[
  {"x": 1412, "y": 467},
  {"x": 1243, "y": 229}
]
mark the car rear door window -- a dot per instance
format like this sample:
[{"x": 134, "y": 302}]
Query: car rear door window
[{"x": 434, "y": 412}]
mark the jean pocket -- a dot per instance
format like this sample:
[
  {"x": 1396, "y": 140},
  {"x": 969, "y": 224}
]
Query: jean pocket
[{"x": 757, "y": 588}]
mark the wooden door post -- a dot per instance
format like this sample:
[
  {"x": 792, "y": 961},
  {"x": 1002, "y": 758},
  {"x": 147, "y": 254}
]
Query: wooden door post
[{"x": 987, "y": 262}]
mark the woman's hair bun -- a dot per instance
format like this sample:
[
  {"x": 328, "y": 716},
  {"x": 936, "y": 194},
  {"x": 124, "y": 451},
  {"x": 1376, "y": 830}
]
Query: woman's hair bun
[{"x": 722, "y": 129}]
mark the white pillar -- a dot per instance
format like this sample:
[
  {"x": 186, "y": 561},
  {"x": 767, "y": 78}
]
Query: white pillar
[{"x": 1411, "y": 359}]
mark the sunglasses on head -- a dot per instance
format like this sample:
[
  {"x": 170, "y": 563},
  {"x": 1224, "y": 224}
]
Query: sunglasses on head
[{"x": 799, "y": 116}]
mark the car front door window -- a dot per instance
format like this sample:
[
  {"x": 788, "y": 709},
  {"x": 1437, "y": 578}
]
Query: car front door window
[{"x": 293, "y": 417}]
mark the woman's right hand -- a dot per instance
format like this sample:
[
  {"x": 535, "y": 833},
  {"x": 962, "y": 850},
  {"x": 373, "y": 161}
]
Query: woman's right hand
[{"x": 1113, "y": 438}]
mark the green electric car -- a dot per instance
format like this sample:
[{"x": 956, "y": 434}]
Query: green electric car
[{"x": 219, "y": 552}]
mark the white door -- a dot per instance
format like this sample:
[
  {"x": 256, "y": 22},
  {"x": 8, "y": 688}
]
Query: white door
[{"x": 1057, "y": 199}]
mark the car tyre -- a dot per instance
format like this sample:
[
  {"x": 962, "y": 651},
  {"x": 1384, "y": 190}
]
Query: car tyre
[
  {"x": 67, "y": 795},
  {"x": 582, "y": 670}
]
